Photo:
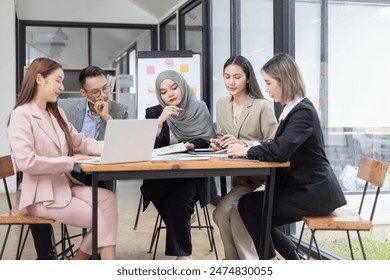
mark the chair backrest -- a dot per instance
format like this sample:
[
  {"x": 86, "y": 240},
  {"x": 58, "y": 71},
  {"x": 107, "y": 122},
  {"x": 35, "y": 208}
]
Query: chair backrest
[
  {"x": 6, "y": 170},
  {"x": 373, "y": 172},
  {"x": 6, "y": 167}
]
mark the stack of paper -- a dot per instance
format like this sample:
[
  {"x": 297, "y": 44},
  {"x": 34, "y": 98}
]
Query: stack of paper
[{"x": 171, "y": 149}]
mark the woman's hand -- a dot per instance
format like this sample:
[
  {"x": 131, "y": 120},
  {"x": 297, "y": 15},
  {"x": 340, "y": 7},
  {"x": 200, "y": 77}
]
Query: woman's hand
[
  {"x": 237, "y": 150},
  {"x": 79, "y": 157},
  {"x": 167, "y": 112},
  {"x": 228, "y": 140},
  {"x": 189, "y": 146},
  {"x": 214, "y": 144}
]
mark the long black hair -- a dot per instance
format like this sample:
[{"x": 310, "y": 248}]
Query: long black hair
[{"x": 252, "y": 87}]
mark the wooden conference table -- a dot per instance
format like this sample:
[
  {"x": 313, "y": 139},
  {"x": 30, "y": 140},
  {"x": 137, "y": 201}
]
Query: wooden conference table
[{"x": 212, "y": 167}]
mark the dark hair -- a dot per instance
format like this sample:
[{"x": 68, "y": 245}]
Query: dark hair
[
  {"x": 43, "y": 66},
  {"x": 283, "y": 68},
  {"x": 252, "y": 87},
  {"x": 90, "y": 71}
]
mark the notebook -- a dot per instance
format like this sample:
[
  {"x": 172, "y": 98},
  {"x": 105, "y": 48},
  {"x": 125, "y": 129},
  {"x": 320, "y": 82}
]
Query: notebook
[
  {"x": 127, "y": 141},
  {"x": 171, "y": 149}
]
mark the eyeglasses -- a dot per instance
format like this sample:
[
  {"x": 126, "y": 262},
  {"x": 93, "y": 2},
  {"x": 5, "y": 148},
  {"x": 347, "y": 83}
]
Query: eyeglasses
[{"x": 97, "y": 91}]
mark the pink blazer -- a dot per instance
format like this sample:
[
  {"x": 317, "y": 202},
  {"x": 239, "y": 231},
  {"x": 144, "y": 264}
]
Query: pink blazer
[{"x": 41, "y": 154}]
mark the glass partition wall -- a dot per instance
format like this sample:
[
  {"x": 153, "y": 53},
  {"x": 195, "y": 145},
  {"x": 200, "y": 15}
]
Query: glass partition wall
[
  {"x": 75, "y": 46},
  {"x": 342, "y": 49}
]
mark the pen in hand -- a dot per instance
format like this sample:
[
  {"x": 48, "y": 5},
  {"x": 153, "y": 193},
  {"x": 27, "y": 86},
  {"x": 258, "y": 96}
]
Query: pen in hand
[{"x": 91, "y": 101}]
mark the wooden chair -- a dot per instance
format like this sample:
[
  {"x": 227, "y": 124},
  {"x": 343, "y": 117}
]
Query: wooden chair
[
  {"x": 208, "y": 226},
  {"x": 373, "y": 172},
  {"x": 223, "y": 193},
  {"x": 22, "y": 218}
]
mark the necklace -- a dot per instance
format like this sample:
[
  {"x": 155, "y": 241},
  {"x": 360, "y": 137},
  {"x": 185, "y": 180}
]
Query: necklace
[{"x": 236, "y": 113}]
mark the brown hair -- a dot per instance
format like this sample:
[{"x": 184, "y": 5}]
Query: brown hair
[
  {"x": 283, "y": 68},
  {"x": 45, "y": 67}
]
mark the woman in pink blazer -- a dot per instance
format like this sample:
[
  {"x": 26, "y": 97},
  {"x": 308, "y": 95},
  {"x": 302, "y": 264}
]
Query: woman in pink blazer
[{"x": 44, "y": 145}]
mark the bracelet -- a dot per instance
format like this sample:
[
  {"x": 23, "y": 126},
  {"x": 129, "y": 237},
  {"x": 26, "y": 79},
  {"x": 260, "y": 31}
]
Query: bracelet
[{"x": 246, "y": 150}]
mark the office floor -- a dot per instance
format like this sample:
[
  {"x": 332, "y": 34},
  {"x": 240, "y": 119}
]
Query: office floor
[{"x": 132, "y": 244}]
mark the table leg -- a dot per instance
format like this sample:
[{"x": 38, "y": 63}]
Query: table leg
[
  {"x": 223, "y": 186},
  {"x": 94, "y": 216},
  {"x": 266, "y": 222}
]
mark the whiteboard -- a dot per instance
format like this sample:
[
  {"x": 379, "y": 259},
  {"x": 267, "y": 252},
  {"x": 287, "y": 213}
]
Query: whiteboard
[{"x": 150, "y": 64}]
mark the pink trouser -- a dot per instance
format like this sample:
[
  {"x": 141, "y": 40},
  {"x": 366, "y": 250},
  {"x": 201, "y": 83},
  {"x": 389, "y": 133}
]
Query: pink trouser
[{"x": 78, "y": 213}]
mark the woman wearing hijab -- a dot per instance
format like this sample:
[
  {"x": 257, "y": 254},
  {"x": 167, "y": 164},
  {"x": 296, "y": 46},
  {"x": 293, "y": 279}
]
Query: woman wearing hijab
[{"x": 182, "y": 118}]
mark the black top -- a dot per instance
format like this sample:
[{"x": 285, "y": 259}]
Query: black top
[
  {"x": 309, "y": 183},
  {"x": 205, "y": 186}
]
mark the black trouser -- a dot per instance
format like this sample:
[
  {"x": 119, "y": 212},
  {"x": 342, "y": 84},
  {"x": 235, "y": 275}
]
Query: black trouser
[
  {"x": 174, "y": 200},
  {"x": 250, "y": 207},
  {"x": 86, "y": 179},
  {"x": 42, "y": 233},
  {"x": 42, "y": 242}
]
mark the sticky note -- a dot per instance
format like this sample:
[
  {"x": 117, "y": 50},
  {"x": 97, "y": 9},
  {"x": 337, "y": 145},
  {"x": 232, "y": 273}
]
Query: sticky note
[
  {"x": 195, "y": 90},
  {"x": 151, "y": 90},
  {"x": 150, "y": 70},
  {"x": 183, "y": 68},
  {"x": 169, "y": 61}
]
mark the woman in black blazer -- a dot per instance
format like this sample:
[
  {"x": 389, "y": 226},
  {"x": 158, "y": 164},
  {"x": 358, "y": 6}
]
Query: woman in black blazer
[
  {"x": 182, "y": 118},
  {"x": 309, "y": 186}
]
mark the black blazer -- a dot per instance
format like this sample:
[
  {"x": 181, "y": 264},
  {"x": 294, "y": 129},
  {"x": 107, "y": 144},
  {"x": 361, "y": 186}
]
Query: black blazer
[
  {"x": 206, "y": 186},
  {"x": 309, "y": 183}
]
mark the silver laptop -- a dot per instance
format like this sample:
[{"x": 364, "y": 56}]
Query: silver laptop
[{"x": 127, "y": 141}]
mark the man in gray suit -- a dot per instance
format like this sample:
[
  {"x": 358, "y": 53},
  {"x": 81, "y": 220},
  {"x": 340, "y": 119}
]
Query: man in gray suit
[
  {"x": 91, "y": 113},
  {"x": 88, "y": 114}
]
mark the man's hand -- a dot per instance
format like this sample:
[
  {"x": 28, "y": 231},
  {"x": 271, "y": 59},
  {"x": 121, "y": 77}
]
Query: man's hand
[{"x": 101, "y": 108}]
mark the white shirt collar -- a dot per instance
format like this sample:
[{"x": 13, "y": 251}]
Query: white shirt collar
[{"x": 289, "y": 106}]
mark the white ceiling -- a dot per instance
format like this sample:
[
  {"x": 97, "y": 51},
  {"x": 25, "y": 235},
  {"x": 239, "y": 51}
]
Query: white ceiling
[
  {"x": 158, "y": 8},
  {"x": 113, "y": 11},
  {"x": 118, "y": 11}
]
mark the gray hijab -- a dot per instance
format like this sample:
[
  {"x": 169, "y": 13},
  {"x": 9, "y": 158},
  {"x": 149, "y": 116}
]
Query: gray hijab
[{"x": 195, "y": 120}]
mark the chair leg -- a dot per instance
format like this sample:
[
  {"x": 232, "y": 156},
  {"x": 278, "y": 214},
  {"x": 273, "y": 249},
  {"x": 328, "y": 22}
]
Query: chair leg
[
  {"x": 21, "y": 242},
  {"x": 197, "y": 216},
  {"x": 138, "y": 213},
  {"x": 300, "y": 239},
  {"x": 310, "y": 245},
  {"x": 210, "y": 231},
  {"x": 23, "y": 239},
  {"x": 316, "y": 244},
  {"x": 157, "y": 226},
  {"x": 350, "y": 245},
  {"x": 157, "y": 237},
  {"x": 53, "y": 241},
  {"x": 5, "y": 242},
  {"x": 66, "y": 244},
  {"x": 208, "y": 226},
  {"x": 361, "y": 245}
]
